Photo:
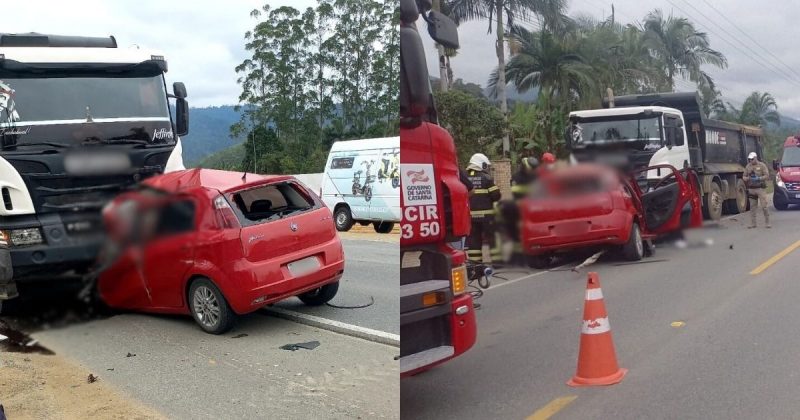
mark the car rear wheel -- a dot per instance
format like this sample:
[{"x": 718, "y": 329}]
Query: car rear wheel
[
  {"x": 320, "y": 296},
  {"x": 633, "y": 250},
  {"x": 343, "y": 218},
  {"x": 209, "y": 307},
  {"x": 383, "y": 227}
]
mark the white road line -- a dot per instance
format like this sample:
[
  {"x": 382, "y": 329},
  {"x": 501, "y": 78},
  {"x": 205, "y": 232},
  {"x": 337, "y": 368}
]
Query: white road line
[
  {"x": 538, "y": 273},
  {"x": 336, "y": 326}
]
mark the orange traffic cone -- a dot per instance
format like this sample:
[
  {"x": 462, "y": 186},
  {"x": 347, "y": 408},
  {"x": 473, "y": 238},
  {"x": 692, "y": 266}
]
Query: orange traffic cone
[{"x": 597, "y": 360}]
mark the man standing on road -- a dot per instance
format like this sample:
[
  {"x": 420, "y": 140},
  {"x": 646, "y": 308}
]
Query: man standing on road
[
  {"x": 481, "y": 204},
  {"x": 756, "y": 174}
]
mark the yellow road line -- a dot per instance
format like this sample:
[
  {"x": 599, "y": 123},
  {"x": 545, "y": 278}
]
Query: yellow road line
[
  {"x": 552, "y": 408},
  {"x": 766, "y": 264}
]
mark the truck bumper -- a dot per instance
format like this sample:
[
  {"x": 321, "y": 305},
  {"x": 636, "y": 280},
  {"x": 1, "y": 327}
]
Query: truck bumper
[
  {"x": 781, "y": 194},
  {"x": 59, "y": 253}
]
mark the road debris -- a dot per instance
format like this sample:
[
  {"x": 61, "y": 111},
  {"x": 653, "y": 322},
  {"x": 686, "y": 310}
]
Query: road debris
[
  {"x": 240, "y": 335},
  {"x": 92, "y": 379},
  {"x": 15, "y": 341},
  {"x": 589, "y": 261},
  {"x": 130, "y": 355},
  {"x": 677, "y": 324},
  {"x": 311, "y": 345}
]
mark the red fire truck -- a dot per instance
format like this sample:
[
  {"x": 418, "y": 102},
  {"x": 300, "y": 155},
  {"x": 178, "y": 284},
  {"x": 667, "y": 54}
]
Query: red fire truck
[{"x": 437, "y": 319}]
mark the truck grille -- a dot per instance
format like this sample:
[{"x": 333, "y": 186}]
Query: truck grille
[
  {"x": 792, "y": 186},
  {"x": 66, "y": 193}
]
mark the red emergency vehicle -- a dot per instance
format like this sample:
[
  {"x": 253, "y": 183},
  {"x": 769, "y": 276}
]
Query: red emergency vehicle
[{"x": 437, "y": 319}]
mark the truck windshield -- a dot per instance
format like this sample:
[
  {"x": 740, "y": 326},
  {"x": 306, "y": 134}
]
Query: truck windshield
[
  {"x": 791, "y": 157},
  {"x": 63, "y": 100},
  {"x": 641, "y": 134}
]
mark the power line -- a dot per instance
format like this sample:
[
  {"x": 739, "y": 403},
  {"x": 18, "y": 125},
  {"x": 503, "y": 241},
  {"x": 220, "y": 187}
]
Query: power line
[
  {"x": 771, "y": 67},
  {"x": 751, "y": 38}
]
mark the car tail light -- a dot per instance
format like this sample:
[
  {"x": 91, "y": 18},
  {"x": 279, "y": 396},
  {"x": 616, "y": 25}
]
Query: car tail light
[
  {"x": 458, "y": 279},
  {"x": 224, "y": 214}
]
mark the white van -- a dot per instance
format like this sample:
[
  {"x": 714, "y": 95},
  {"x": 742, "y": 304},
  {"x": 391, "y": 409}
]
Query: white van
[{"x": 361, "y": 183}]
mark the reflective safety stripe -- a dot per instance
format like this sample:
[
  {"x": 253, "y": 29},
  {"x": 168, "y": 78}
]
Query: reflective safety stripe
[
  {"x": 595, "y": 326},
  {"x": 493, "y": 188},
  {"x": 481, "y": 212},
  {"x": 519, "y": 188},
  {"x": 594, "y": 294},
  {"x": 480, "y": 191}
]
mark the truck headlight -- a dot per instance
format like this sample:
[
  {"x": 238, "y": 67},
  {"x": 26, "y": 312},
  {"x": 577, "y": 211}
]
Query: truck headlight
[
  {"x": 779, "y": 181},
  {"x": 23, "y": 237}
]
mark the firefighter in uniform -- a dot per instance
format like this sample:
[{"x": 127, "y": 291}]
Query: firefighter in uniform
[
  {"x": 484, "y": 194},
  {"x": 756, "y": 174}
]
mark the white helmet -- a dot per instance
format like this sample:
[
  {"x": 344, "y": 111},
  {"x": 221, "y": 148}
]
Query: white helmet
[
  {"x": 480, "y": 160},
  {"x": 752, "y": 155}
]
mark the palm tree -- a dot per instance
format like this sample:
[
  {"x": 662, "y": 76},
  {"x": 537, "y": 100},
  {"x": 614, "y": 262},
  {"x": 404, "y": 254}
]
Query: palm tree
[
  {"x": 681, "y": 48},
  {"x": 553, "y": 65},
  {"x": 758, "y": 109},
  {"x": 506, "y": 12}
]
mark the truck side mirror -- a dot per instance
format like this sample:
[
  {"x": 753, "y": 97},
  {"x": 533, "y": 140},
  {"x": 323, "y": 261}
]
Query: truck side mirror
[
  {"x": 182, "y": 116},
  {"x": 775, "y": 164},
  {"x": 179, "y": 90},
  {"x": 442, "y": 29}
]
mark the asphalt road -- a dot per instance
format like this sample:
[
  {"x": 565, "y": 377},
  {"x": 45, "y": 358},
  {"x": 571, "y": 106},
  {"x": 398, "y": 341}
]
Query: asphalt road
[
  {"x": 735, "y": 357},
  {"x": 185, "y": 373},
  {"x": 371, "y": 274}
]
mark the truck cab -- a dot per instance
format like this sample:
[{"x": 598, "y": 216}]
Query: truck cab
[
  {"x": 81, "y": 120},
  {"x": 437, "y": 318}
]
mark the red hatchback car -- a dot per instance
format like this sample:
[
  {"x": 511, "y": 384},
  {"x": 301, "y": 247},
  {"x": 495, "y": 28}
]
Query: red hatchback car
[
  {"x": 215, "y": 244},
  {"x": 591, "y": 205}
]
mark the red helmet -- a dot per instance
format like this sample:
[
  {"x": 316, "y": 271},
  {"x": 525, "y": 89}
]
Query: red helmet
[{"x": 548, "y": 158}]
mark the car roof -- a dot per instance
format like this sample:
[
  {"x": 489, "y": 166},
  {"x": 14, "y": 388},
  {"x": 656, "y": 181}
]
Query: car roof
[{"x": 224, "y": 181}]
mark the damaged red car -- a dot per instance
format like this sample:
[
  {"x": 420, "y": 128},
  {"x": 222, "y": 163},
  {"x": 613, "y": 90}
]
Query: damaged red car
[
  {"x": 590, "y": 205},
  {"x": 217, "y": 244}
]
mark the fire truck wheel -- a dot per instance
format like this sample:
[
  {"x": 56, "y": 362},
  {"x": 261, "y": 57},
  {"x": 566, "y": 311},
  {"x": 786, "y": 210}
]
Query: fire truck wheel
[
  {"x": 343, "y": 218},
  {"x": 320, "y": 296},
  {"x": 383, "y": 227},
  {"x": 633, "y": 250}
]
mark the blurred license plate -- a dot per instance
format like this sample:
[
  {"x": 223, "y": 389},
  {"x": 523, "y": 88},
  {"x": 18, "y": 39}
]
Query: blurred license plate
[
  {"x": 304, "y": 266},
  {"x": 96, "y": 163}
]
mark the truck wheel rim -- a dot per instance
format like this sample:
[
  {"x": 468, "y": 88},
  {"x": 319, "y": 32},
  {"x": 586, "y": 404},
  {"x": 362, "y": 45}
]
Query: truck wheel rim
[
  {"x": 639, "y": 245},
  {"x": 206, "y": 306},
  {"x": 341, "y": 219}
]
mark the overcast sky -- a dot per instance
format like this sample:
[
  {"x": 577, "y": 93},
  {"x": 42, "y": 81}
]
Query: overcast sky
[
  {"x": 203, "y": 40},
  {"x": 770, "y": 23}
]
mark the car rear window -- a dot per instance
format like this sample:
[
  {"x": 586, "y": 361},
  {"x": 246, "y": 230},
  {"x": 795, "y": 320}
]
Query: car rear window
[{"x": 271, "y": 202}]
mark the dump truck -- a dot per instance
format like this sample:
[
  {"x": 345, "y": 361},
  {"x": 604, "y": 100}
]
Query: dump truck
[{"x": 639, "y": 131}]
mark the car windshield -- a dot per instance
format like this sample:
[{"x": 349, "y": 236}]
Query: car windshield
[
  {"x": 640, "y": 133},
  {"x": 791, "y": 156},
  {"x": 57, "y": 100}
]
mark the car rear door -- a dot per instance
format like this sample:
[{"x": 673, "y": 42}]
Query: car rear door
[{"x": 673, "y": 203}]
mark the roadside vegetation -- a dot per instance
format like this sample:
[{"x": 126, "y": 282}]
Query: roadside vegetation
[{"x": 314, "y": 76}]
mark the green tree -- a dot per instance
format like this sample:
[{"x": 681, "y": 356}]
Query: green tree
[
  {"x": 682, "y": 49},
  {"x": 758, "y": 109},
  {"x": 503, "y": 14},
  {"x": 475, "y": 124}
]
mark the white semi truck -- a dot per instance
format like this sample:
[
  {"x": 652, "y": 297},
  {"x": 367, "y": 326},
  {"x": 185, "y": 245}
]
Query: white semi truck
[{"x": 80, "y": 121}]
